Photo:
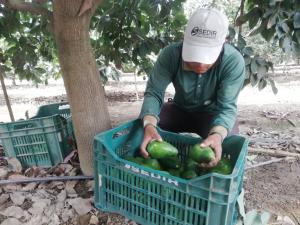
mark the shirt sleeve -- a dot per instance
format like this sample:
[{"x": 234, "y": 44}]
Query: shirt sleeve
[
  {"x": 231, "y": 82},
  {"x": 160, "y": 77}
]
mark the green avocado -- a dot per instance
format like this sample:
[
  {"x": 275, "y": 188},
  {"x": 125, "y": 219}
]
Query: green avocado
[
  {"x": 152, "y": 163},
  {"x": 175, "y": 172},
  {"x": 170, "y": 163},
  {"x": 137, "y": 160},
  {"x": 161, "y": 150},
  {"x": 191, "y": 164},
  {"x": 201, "y": 155},
  {"x": 224, "y": 166},
  {"x": 188, "y": 174}
]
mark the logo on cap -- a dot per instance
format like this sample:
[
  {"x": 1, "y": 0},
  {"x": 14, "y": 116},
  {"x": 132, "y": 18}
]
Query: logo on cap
[{"x": 211, "y": 34}]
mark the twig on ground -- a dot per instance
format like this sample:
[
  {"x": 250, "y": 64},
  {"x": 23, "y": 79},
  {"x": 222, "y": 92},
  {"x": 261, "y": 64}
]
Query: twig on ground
[
  {"x": 268, "y": 162},
  {"x": 274, "y": 152}
]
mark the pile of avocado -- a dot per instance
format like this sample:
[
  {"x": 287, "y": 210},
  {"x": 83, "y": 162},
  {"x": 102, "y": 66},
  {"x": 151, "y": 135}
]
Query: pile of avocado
[{"x": 164, "y": 157}]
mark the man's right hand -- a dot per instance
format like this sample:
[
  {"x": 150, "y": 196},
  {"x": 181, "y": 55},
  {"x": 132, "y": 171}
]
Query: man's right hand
[{"x": 150, "y": 133}]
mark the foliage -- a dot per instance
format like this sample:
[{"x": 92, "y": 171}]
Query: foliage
[
  {"x": 131, "y": 31},
  {"x": 257, "y": 67},
  {"x": 275, "y": 19},
  {"x": 26, "y": 46}
]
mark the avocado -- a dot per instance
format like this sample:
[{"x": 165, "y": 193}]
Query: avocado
[
  {"x": 152, "y": 163},
  {"x": 175, "y": 172},
  {"x": 170, "y": 163},
  {"x": 191, "y": 164},
  {"x": 137, "y": 160},
  {"x": 201, "y": 155},
  {"x": 161, "y": 150},
  {"x": 188, "y": 174},
  {"x": 224, "y": 166}
]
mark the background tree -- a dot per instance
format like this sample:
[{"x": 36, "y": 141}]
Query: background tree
[
  {"x": 276, "y": 20},
  {"x": 69, "y": 21},
  {"x": 133, "y": 32}
]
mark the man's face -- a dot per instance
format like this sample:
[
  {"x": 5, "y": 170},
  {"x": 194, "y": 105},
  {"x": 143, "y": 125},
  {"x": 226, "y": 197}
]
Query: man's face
[{"x": 199, "y": 67}]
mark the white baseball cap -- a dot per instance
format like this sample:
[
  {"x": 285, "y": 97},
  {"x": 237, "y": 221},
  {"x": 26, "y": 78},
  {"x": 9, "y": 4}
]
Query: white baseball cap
[{"x": 204, "y": 36}]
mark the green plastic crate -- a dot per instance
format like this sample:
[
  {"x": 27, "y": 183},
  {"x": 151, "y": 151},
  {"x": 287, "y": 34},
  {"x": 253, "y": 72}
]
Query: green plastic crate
[
  {"x": 151, "y": 197},
  {"x": 36, "y": 142},
  {"x": 61, "y": 108}
]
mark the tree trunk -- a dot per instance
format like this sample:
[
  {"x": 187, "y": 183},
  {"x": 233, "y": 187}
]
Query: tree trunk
[
  {"x": 81, "y": 77},
  {"x": 12, "y": 118}
]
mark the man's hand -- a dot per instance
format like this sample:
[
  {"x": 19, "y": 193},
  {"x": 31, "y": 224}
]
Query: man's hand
[
  {"x": 150, "y": 133},
  {"x": 215, "y": 142}
]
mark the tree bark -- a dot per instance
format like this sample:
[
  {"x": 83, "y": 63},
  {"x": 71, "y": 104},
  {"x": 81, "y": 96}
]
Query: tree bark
[
  {"x": 12, "y": 118},
  {"x": 81, "y": 77}
]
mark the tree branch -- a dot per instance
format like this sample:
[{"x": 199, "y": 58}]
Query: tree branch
[
  {"x": 33, "y": 8},
  {"x": 241, "y": 14}
]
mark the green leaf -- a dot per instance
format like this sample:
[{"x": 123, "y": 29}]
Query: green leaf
[
  {"x": 241, "y": 42},
  {"x": 253, "y": 21},
  {"x": 273, "y": 2},
  {"x": 5, "y": 68},
  {"x": 296, "y": 49},
  {"x": 250, "y": 217},
  {"x": 262, "y": 84},
  {"x": 297, "y": 35},
  {"x": 261, "y": 71},
  {"x": 40, "y": 70},
  {"x": 268, "y": 33},
  {"x": 253, "y": 80},
  {"x": 261, "y": 61},
  {"x": 260, "y": 28},
  {"x": 254, "y": 218},
  {"x": 285, "y": 27},
  {"x": 247, "y": 73},
  {"x": 241, "y": 203},
  {"x": 247, "y": 60},
  {"x": 254, "y": 12},
  {"x": 268, "y": 12},
  {"x": 279, "y": 31},
  {"x": 265, "y": 217},
  {"x": 231, "y": 32},
  {"x": 248, "y": 51},
  {"x": 272, "y": 21},
  {"x": 253, "y": 66},
  {"x": 274, "y": 88},
  {"x": 287, "y": 44},
  {"x": 297, "y": 20}
]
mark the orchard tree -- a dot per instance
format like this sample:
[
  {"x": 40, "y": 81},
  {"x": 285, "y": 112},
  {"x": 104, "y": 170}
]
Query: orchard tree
[
  {"x": 120, "y": 37},
  {"x": 135, "y": 31},
  {"x": 274, "y": 20},
  {"x": 23, "y": 49}
]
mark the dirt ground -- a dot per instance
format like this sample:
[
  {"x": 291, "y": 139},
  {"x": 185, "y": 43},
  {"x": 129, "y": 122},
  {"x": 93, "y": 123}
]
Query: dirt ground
[{"x": 273, "y": 126}]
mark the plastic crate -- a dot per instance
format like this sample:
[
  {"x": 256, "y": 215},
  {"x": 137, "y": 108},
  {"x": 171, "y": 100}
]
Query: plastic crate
[
  {"x": 62, "y": 109},
  {"x": 152, "y": 197},
  {"x": 36, "y": 142}
]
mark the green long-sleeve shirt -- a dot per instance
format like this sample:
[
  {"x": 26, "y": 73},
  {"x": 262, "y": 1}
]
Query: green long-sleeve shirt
[{"x": 215, "y": 91}]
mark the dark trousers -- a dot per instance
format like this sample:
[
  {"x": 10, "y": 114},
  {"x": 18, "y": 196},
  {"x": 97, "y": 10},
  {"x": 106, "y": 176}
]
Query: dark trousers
[{"x": 174, "y": 119}]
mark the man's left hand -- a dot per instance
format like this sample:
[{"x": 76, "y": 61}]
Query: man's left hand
[{"x": 215, "y": 142}]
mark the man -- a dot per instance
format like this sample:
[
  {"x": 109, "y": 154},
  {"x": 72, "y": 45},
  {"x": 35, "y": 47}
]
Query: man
[{"x": 207, "y": 74}]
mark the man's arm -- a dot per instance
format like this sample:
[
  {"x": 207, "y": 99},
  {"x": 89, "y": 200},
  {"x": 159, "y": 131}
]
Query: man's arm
[
  {"x": 159, "y": 78},
  {"x": 227, "y": 93},
  {"x": 233, "y": 76}
]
